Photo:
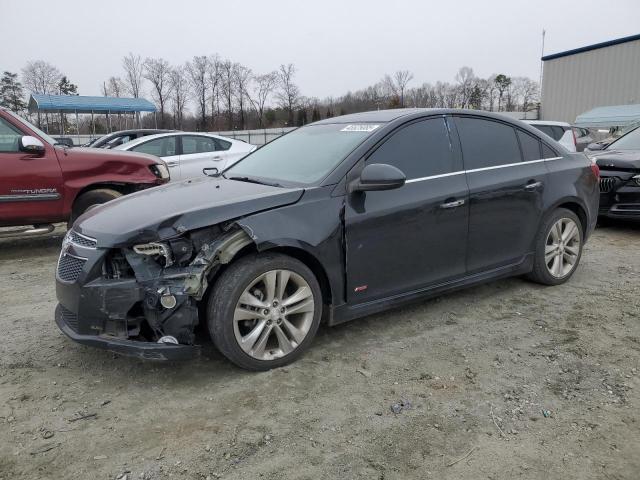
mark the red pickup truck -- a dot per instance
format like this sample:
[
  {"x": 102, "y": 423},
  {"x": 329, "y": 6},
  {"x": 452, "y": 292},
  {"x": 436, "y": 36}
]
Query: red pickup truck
[{"x": 42, "y": 182}]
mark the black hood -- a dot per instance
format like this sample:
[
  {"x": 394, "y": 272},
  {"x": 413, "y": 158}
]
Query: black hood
[
  {"x": 618, "y": 159},
  {"x": 164, "y": 212}
]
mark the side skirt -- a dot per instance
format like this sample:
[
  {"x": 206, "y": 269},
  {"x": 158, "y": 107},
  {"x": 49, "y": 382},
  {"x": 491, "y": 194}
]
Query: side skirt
[{"x": 345, "y": 313}]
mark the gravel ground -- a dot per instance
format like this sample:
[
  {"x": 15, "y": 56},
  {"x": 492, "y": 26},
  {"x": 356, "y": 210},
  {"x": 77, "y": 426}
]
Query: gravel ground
[{"x": 505, "y": 380}]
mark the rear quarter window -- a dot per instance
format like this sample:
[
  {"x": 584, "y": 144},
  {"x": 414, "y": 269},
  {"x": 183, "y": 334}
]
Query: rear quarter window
[{"x": 530, "y": 146}]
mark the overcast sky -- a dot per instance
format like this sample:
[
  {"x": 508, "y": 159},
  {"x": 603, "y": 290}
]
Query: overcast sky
[{"x": 336, "y": 45}]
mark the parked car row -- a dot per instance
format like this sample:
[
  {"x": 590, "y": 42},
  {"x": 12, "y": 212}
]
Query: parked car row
[{"x": 189, "y": 155}]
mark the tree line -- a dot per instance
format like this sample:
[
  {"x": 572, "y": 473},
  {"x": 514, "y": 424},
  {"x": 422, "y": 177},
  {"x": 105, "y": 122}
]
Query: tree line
[{"x": 216, "y": 94}]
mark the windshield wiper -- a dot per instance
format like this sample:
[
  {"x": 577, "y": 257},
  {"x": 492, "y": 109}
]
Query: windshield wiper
[{"x": 255, "y": 180}]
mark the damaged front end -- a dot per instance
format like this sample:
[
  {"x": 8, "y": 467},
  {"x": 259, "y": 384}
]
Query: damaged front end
[{"x": 141, "y": 300}]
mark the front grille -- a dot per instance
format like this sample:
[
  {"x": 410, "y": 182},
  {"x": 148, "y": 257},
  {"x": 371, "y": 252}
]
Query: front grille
[
  {"x": 81, "y": 240},
  {"x": 70, "y": 318},
  {"x": 69, "y": 267},
  {"x": 607, "y": 184}
]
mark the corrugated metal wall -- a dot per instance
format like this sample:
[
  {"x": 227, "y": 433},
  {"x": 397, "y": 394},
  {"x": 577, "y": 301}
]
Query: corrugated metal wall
[{"x": 573, "y": 84}]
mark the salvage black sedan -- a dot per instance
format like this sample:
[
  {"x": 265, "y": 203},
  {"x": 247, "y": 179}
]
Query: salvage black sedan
[
  {"x": 619, "y": 165},
  {"x": 339, "y": 219}
]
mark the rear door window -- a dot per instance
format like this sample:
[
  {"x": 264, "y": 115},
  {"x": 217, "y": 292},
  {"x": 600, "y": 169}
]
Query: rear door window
[
  {"x": 196, "y": 144},
  {"x": 160, "y": 147},
  {"x": 530, "y": 146},
  {"x": 420, "y": 149},
  {"x": 486, "y": 143}
]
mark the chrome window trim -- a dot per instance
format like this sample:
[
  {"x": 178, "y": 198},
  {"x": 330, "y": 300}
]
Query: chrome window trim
[{"x": 473, "y": 170}]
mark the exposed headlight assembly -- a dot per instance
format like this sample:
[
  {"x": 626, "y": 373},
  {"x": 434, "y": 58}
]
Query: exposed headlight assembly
[
  {"x": 160, "y": 170},
  {"x": 155, "y": 249}
]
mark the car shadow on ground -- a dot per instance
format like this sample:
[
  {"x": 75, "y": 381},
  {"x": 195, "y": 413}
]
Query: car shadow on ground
[{"x": 342, "y": 343}]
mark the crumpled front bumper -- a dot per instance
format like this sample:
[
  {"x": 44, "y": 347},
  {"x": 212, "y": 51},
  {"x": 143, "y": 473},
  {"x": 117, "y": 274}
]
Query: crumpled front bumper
[{"x": 131, "y": 348}]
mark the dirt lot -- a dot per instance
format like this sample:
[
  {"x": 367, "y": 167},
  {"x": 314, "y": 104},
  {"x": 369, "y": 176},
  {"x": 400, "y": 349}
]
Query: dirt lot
[{"x": 506, "y": 380}]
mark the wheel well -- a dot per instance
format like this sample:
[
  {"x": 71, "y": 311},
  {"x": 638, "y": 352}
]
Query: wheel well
[
  {"x": 315, "y": 266},
  {"x": 579, "y": 211},
  {"x": 123, "y": 188}
]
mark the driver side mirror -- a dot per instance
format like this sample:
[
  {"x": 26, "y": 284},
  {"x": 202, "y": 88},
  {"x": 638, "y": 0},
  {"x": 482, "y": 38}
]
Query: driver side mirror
[
  {"x": 29, "y": 144},
  {"x": 378, "y": 176}
]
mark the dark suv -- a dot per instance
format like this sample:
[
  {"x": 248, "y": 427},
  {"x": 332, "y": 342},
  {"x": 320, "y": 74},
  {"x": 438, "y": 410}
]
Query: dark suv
[{"x": 338, "y": 219}]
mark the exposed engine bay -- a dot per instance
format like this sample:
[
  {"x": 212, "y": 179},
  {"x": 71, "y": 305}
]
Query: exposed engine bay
[{"x": 173, "y": 276}]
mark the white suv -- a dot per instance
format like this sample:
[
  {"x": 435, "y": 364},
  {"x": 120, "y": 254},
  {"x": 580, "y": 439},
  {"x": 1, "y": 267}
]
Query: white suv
[{"x": 561, "y": 132}]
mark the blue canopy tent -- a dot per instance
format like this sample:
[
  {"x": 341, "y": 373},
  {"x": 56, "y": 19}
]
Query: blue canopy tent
[
  {"x": 608, "y": 117},
  {"x": 65, "y": 104}
]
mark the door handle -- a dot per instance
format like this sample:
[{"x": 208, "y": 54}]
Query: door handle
[
  {"x": 453, "y": 204},
  {"x": 217, "y": 158},
  {"x": 532, "y": 186},
  {"x": 172, "y": 164}
]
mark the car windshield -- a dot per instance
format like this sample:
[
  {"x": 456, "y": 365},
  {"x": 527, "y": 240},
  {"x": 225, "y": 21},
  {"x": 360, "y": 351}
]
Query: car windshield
[
  {"x": 630, "y": 141},
  {"x": 304, "y": 156},
  {"x": 42, "y": 135}
]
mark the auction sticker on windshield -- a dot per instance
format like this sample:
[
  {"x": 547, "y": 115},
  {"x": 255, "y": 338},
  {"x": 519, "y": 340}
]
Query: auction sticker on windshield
[{"x": 363, "y": 127}]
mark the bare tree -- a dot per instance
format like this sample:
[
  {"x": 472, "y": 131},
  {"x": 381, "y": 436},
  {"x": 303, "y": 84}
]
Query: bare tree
[
  {"x": 214, "y": 86},
  {"x": 241, "y": 78},
  {"x": 197, "y": 71},
  {"x": 397, "y": 85},
  {"x": 527, "y": 90},
  {"x": 113, "y": 87},
  {"x": 466, "y": 83},
  {"x": 133, "y": 69},
  {"x": 288, "y": 93},
  {"x": 262, "y": 87},
  {"x": 227, "y": 85},
  {"x": 41, "y": 77},
  {"x": 179, "y": 94},
  {"x": 158, "y": 72}
]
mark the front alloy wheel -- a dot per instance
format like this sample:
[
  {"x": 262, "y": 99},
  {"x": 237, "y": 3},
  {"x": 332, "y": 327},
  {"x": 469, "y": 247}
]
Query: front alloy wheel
[
  {"x": 273, "y": 315},
  {"x": 264, "y": 310}
]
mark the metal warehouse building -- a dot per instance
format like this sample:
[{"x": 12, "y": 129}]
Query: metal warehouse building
[{"x": 598, "y": 75}]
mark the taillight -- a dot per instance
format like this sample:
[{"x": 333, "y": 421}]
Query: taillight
[{"x": 595, "y": 169}]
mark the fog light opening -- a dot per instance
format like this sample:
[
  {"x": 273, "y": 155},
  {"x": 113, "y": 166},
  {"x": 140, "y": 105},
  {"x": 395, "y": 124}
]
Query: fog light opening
[{"x": 168, "y": 301}]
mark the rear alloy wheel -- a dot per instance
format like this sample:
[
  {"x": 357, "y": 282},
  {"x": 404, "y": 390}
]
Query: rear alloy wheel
[
  {"x": 558, "y": 248},
  {"x": 264, "y": 310},
  {"x": 562, "y": 248}
]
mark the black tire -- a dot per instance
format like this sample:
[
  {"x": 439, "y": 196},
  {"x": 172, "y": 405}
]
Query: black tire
[
  {"x": 540, "y": 272},
  {"x": 225, "y": 295},
  {"x": 91, "y": 199}
]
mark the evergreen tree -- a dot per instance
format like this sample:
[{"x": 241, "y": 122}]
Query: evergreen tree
[
  {"x": 11, "y": 93},
  {"x": 315, "y": 114},
  {"x": 301, "y": 117},
  {"x": 329, "y": 113},
  {"x": 65, "y": 87}
]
